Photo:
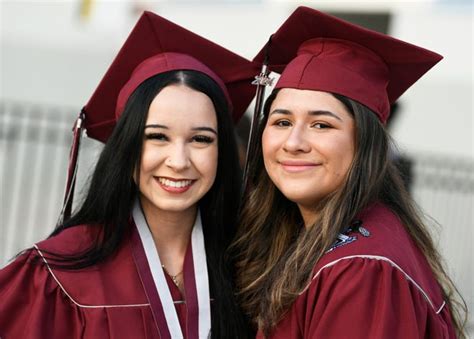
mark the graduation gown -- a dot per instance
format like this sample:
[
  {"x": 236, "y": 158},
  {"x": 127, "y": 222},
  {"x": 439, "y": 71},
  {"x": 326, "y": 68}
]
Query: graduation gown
[
  {"x": 107, "y": 300},
  {"x": 377, "y": 285}
]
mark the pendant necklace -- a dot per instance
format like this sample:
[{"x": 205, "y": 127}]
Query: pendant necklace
[{"x": 173, "y": 277}]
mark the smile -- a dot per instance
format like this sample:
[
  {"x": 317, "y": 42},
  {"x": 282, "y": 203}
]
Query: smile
[
  {"x": 173, "y": 185},
  {"x": 298, "y": 166}
]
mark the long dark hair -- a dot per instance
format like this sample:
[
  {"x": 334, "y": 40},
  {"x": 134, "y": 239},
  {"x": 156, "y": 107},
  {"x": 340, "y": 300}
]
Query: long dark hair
[
  {"x": 111, "y": 193},
  {"x": 275, "y": 255}
]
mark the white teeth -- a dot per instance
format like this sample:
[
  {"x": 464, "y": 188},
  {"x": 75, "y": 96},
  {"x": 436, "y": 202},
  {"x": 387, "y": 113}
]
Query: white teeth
[{"x": 175, "y": 184}]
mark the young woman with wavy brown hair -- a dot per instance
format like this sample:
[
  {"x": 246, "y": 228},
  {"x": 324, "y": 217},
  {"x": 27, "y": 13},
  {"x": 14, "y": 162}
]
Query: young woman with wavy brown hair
[{"x": 330, "y": 243}]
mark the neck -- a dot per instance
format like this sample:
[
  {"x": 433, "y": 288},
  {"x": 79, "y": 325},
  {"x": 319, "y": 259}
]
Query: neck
[
  {"x": 309, "y": 214},
  {"x": 171, "y": 231}
]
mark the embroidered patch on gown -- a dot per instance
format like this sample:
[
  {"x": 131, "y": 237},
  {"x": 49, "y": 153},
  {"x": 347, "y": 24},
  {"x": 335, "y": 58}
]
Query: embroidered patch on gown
[{"x": 345, "y": 239}]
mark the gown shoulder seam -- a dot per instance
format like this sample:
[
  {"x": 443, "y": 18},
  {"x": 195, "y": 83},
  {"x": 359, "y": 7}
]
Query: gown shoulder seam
[
  {"x": 389, "y": 261},
  {"x": 70, "y": 297}
]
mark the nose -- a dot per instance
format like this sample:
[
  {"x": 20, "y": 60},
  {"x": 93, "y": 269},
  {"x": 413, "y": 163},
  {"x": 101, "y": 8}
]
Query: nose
[
  {"x": 178, "y": 158},
  {"x": 297, "y": 142}
]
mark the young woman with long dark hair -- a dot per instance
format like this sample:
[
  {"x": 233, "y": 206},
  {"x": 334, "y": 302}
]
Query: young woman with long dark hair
[
  {"x": 143, "y": 255},
  {"x": 330, "y": 243}
]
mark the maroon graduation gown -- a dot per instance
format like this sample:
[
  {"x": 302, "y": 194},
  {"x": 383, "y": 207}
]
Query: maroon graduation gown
[
  {"x": 379, "y": 286},
  {"x": 107, "y": 300}
]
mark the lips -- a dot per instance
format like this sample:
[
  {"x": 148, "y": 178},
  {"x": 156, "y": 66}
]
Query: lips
[
  {"x": 174, "y": 185},
  {"x": 296, "y": 166}
]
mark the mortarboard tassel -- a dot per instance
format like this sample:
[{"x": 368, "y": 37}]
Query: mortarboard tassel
[
  {"x": 72, "y": 168},
  {"x": 261, "y": 81}
]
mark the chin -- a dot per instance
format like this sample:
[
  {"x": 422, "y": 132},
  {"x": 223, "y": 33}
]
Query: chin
[
  {"x": 169, "y": 205},
  {"x": 295, "y": 196},
  {"x": 301, "y": 198},
  {"x": 175, "y": 207}
]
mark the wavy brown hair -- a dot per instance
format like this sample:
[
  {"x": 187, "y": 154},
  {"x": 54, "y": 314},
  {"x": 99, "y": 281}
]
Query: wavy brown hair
[{"x": 276, "y": 254}]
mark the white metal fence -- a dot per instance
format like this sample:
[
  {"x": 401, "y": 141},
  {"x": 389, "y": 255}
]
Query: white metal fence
[{"x": 34, "y": 152}]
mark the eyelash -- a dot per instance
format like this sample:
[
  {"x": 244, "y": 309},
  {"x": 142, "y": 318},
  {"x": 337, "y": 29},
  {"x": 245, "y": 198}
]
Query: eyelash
[
  {"x": 286, "y": 123},
  {"x": 156, "y": 136},
  {"x": 322, "y": 125},
  {"x": 203, "y": 139},
  {"x": 197, "y": 138},
  {"x": 280, "y": 123}
]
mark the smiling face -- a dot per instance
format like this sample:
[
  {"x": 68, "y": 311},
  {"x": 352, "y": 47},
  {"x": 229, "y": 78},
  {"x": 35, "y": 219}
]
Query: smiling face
[
  {"x": 308, "y": 145},
  {"x": 179, "y": 154}
]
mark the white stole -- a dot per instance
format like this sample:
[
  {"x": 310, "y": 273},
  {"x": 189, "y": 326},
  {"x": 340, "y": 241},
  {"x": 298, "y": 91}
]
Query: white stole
[{"x": 200, "y": 275}]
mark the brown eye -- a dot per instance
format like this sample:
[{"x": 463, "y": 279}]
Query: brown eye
[
  {"x": 321, "y": 125},
  {"x": 282, "y": 123},
  {"x": 203, "y": 139},
  {"x": 156, "y": 136}
]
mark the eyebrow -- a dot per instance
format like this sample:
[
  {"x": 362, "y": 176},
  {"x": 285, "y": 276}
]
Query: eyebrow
[
  {"x": 312, "y": 113},
  {"x": 156, "y": 126},
  {"x": 204, "y": 128},
  {"x": 201, "y": 128}
]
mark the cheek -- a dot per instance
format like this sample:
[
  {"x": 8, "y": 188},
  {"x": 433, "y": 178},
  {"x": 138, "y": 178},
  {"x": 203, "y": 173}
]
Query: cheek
[
  {"x": 150, "y": 158},
  {"x": 348, "y": 151},
  {"x": 343, "y": 151},
  {"x": 206, "y": 162},
  {"x": 269, "y": 144},
  {"x": 267, "y": 150}
]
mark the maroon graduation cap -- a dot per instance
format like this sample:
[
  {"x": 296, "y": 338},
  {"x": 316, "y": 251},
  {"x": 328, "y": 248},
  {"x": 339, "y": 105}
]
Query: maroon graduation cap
[
  {"x": 155, "y": 46},
  {"x": 316, "y": 51}
]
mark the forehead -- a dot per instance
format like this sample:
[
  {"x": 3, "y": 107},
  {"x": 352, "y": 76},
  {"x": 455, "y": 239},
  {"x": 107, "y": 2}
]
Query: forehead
[
  {"x": 182, "y": 105},
  {"x": 296, "y": 100}
]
